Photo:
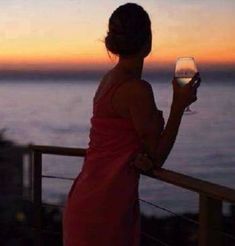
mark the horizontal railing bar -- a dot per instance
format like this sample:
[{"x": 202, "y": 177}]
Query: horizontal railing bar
[
  {"x": 231, "y": 236},
  {"x": 169, "y": 211},
  {"x": 57, "y": 177},
  {"x": 55, "y": 150},
  {"x": 194, "y": 184},
  {"x": 190, "y": 183},
  {"x": 154, "y": 238},
  {"x": 226, "y": 234},
  {"x": 52, "y": 205}
]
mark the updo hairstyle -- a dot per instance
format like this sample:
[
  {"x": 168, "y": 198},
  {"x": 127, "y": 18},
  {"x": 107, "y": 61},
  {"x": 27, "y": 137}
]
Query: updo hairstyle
[{"x": 128, "y": 30}]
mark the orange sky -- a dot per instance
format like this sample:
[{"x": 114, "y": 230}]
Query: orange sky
[{"x": 68, "y": 34}]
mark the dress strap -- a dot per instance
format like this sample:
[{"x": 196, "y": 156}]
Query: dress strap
[
  {"x": 110, "y": 91},
  {"x": 115, "y": 87},
  {"x": 106, "y": 98}
]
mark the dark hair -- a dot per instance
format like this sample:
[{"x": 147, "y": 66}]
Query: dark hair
[{"x": 129, "y": 29}]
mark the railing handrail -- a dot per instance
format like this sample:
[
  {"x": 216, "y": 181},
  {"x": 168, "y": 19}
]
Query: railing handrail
[
  {"x": 211, "y": 196},
  {"x": 56, "y": 150},
  {"x": 210, "y": 189},
  {"x": 188, "y": 182}
]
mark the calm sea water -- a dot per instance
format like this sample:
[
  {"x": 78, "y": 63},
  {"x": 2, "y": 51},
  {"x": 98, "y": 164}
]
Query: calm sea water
[{"x": 58, "y": 113}]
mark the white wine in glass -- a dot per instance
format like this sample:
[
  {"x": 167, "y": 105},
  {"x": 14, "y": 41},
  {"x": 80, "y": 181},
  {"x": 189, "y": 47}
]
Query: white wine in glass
[{"x": 185, "y": 69}]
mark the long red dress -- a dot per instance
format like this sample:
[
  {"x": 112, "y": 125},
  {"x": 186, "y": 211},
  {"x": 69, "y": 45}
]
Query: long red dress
[{"x": 102, "y": 207}]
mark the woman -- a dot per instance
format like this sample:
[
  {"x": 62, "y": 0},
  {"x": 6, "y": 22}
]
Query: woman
[{"x": 127, "y": 135}]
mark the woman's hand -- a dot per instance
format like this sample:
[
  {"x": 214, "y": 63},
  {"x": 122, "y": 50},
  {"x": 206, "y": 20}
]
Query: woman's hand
[
  {"x": 142, "y": 162},
  {"x": 186, "y": 95}
]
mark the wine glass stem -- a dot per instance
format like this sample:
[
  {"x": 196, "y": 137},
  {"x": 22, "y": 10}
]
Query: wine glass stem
[{"x": 188, "y": 109}]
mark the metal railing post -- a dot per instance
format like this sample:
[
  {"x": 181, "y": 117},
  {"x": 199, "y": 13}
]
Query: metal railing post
[
  {"x": 210, "y": 216},
  {"x": 37, "y": 197}
]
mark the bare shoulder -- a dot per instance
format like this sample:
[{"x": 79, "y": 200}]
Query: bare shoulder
[
  {"x": 140, "y": 84},
  {"x": 140, "y": 87}
]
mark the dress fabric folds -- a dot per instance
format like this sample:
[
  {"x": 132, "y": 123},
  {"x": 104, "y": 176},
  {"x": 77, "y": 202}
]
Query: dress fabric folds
[{"x": 102, "y": 206}]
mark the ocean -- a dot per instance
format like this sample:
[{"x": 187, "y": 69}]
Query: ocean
[{"x": 58, "y": 113}]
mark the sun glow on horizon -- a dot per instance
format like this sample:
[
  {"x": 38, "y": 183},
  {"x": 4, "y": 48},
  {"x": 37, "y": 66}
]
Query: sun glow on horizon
[{"x": 50, "y": 34}]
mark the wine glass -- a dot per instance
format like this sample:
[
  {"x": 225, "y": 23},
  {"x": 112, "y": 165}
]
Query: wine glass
[{"x": 185, "y": 69}]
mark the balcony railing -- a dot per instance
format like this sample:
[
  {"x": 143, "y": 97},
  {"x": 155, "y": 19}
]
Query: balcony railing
[{"x": 211, "y": 196}]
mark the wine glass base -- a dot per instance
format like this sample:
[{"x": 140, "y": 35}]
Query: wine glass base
[{"x": 190, "y": 112}]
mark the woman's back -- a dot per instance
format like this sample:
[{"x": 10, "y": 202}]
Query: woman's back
[
  {"x": 104, "y": 196},
  {"x": 119, "y": 84}
]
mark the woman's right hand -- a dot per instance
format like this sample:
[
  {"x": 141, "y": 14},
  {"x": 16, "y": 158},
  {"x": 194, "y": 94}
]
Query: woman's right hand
[
  {"x": 142, "y": 162},
  {"x": 186, "y": 95}
]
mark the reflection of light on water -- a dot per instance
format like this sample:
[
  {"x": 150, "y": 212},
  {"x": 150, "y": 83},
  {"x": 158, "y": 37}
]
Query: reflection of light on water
[
  {"x": 57, "y": 114},
  {"x": 46, "y": 106}
]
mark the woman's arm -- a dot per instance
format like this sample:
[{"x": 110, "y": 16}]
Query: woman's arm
[
  {"x": 158, "y": 142},
  {"x": 168, "y": 136}
]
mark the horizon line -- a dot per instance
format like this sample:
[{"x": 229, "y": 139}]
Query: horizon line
[
  {"x": 80, "y": 67},
  {"x": 90, "y": 74}
]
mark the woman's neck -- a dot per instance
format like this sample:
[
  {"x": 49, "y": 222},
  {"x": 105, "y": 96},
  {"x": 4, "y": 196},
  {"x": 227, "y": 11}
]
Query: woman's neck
[{"x": 132, "y": 66}]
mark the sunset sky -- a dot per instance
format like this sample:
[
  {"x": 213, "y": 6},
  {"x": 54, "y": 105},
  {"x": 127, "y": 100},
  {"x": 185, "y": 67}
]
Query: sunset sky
[{"x": 68, "y": 34}]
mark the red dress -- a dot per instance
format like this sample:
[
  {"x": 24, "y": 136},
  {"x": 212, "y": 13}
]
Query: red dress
[{"x": 102, "y": 207}]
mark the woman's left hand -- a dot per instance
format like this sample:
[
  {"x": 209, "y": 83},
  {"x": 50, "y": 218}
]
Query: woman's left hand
[{"x": 142, "y": 162}]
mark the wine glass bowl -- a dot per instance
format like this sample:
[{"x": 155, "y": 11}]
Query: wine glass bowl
[{"x": 185, "y": 69}]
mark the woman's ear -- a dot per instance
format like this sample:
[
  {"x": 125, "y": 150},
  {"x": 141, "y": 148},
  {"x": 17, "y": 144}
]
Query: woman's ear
[{"x": 147, "y": 46}]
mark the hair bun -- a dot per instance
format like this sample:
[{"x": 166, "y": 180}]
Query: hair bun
[{"x": 129, "y": 28}]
